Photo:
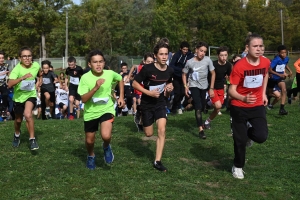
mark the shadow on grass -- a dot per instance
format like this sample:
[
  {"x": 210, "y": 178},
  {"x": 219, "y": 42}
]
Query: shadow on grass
[
  {"x": 139, "y": 147},
  {"x": 80, "y": 152},
  {"x": 212, "y": 157}
]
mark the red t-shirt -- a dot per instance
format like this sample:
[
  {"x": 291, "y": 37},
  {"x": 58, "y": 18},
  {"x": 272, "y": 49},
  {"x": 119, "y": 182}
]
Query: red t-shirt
[
  {"x": 139, "y": 68},
  {"x": 249, "y": 78}
]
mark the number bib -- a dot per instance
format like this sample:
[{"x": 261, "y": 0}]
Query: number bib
[
  {"x": 253, "y": 81},
  {"x": 74, "y": 80},
  {"x": 100, "y": 101},
  {"x": 3, "y": 75},
  {"x": 27, "y": 85},
  {"x": 160, "y": 87},
  {"x": 46, "y": 80}
]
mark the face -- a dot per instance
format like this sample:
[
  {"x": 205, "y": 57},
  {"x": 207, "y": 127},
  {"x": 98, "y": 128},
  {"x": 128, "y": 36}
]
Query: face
[
  {"x": 97, "y": 64},
  {"x": 282, "y": 54},
  {"x": 255, "y": 47},
  {"x": 1, "y": 59},
  {"x": 72, "y": 65},
  {"x": 200, "y": 52},
  {"x": 26, "y": 57},
  {"x": 61, "y": 75},
  {"x": 222, "y": 57},
  {"x": 149, "y": 60},
  {"x": 124, "y": 69},
  {"x": 162, "y": 56},
  {"x": 45, "y": 68},
  {"x": 184, "y": 50}
]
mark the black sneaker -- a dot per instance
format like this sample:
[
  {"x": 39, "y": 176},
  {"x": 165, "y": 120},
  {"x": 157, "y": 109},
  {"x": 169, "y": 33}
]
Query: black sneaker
[
  {"x": 202, "y": 135},
  {"x": 140, "y": 128},
  {"x": 159, "y": 166},
  {"x": 33, "y": 145},
  {"x": 283, "y": 112},
  {"x": 16, "y": 141}
]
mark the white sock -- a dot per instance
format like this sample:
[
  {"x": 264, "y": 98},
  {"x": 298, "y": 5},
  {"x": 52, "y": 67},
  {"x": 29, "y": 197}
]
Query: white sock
[
  {"x": 32, "y": 138},
  {"x": 17, "y": 135}
]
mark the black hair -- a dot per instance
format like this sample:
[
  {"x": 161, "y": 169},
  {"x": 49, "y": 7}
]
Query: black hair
[
  {"x": 147, "y": 55},
  {"x": 124, "y": 64},
  {"x": 280, "y": 48},
  {"x": 24, "y": 49},
  {"x": 184, "y": 44},
  {"x": 2, "y": 53},
  {"x": 158, "y": 46},
  {"x": 46, "y": 62},
  {"x": 95, "y": 53},
  {"x": 71, "y": 59},
  {"x": 201, "y": 44},
  {"x": 164, "y": 40},
  {"x": 250, "y": 37},
  {"x": 221, "y": 49}
]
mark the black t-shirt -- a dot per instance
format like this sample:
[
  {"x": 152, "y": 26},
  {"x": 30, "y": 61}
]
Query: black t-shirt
[
  {"x": 86, "y": 70},
  {"x": 75, "y": 75},
  {"x": 221, "y": 72},
  {"x": 153, "y": 78},
  {"x": 48, "y": 80}
]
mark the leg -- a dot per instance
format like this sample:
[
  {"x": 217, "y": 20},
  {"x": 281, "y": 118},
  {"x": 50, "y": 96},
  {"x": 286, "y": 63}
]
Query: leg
[
  {"x": 106, "y": 121},
  {"x": 161, "y": 133},
  {"x": 77, "y": 102},
  {"x": 89, "y": 142},
  {"x": 282, "y": 86},
  {"x": 259, "y": 131},
  {"x": 177, "y": 94},
  {"x": 196, "y": 95},
  {"x": 29, "y": 119}
]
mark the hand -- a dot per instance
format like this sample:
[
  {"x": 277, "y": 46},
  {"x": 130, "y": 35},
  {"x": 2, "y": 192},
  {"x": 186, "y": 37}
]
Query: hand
[
  {"x": 154, "y": 93},
  {"x": 283, "y": 76},
  {"x": 265, "y": 100},
  {"x": 121, "y": 103},
  {"x": 211, "y": 93},
  {"x": 290, "y": 75},
  {"x": 250, "y": 98},
  {"x": 187, "y": 92},
  {"x": 99, "y": 82},
  {"x": 26, "y": 76}
]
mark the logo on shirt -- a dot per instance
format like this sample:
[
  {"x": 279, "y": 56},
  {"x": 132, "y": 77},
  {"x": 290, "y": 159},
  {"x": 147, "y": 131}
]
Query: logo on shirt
[
  {"x": 75, "y": 72},
  {"x": 154, "y": 76}
]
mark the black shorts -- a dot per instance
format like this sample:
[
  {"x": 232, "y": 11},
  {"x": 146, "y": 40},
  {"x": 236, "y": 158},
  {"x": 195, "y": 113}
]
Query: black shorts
[
  {"x": 61, "y": 105},
  {"x": 149, "y": 116},
  {"x": 93, "y": 125},
  {"x": 272, "y": 83},
  {"x": 38, "y": 106},
  {"x": 20, "y": 107},
  {"x": 52, "y": 95},
  {"x": 73, "y": 92}
]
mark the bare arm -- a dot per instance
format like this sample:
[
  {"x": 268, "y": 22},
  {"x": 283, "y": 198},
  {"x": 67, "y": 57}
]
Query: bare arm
[
  {"x": 12, "y": 82},
  {"x": 132, "y": 70},
  {"x": 87, "y": 96},
  {"x": 271, "y": 71}
]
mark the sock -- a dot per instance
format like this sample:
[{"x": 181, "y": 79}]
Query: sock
[
  {"x": 17, "y": 135},
  {"x": 281, "y": 106},
  {"x": 269, "y": 99},
  {"x": 32, "y": 138},
  {"x": 207, "y": 121}
]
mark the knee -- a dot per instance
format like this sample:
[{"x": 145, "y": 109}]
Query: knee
[
  {"x": 148, "y": 133},
  {"x": 161, "y": 132},
  {"x": 90, "y": 140},
  {"x": 28, "y": 116},
  {"x": 261, "y": 139}
]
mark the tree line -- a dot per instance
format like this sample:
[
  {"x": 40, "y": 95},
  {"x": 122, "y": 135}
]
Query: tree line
[{"x": 132, "y": 27}]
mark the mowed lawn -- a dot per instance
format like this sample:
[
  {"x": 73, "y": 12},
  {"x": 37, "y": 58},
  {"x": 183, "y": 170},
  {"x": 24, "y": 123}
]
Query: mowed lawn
[{"x": 197, "y": 169}]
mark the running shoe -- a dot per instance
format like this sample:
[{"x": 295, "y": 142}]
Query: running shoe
[
  {"x": 237, "y": 172},
  {"x": 283, "y": 112},
  {"x": 90, "y": 163},
  {"x": 202, "y": 135},
  {"x": 16, "y": 141},
  {"x": 159, "y": 166},
  {"x": 33, "y": 145},
  {"x": 108, "y": 155}
]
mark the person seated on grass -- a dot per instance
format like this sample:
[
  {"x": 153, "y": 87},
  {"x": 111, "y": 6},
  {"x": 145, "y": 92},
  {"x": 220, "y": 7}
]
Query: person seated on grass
[
  {"x": 248, "y": 80},
  {"x": 22, "y": 78},
  {"x": 95, "y": 90},
  {"x": 278, "y": 75},
  {"x": 157, "y": 80}
]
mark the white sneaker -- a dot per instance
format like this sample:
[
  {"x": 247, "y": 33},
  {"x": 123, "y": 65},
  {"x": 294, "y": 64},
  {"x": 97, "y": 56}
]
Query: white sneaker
[
  {"x": 237, "y": 172},
  {"x": 249, "y": 143},
  {"x": 179, "y": 111},
  {"x": 219, "y": 113}
]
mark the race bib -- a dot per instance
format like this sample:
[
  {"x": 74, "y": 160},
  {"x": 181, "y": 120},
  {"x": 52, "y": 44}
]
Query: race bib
[
  {"x": 100, "y": 101},
  {"x": 46, "y": 80},
  {"x": 253, "y": 81},
  {"x": 280, "y": 68},
  {"x": 160, "y": 87},
  {"x": 27, "y": 85},
  {"x": 74, "y": 80},
  {"x": 2, "y": 76}
]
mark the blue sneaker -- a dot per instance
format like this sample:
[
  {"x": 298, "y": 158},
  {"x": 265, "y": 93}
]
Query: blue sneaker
[
  {"x": 90, "y": 163},
  {"x": 108, "y": 155}
]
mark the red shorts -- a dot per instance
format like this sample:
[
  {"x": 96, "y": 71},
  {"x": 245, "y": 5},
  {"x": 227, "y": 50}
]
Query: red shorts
[{"x": 219, "y": 96}]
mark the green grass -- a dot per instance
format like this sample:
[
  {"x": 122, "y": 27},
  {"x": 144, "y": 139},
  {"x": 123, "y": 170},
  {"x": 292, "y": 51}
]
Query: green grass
[{"x": 198, "y": 169}]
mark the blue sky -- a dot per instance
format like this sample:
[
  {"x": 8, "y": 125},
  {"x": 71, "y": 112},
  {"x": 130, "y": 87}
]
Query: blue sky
[{"x": 77, "y": 1}]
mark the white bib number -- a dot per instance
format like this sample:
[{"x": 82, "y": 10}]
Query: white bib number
[
  {"x": 74, "y": 80},
  {"x": 160, "y": 87},
  {"x": 280, "y": 68},
  {"x": 253, "y": 81},
  {"x": 2, "y": 74},
  {"x": 27, "y": 85},
  {"x": 46, "y": 80},
  {"x": 100, "y": 101}
]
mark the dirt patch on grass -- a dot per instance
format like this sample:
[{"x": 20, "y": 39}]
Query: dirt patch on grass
[
  {"x": 152, "y": 138},
  {"x": 212, "y": 185},
  {"x": 212, "y": 163},
  {"x": 263, "y": 194}
]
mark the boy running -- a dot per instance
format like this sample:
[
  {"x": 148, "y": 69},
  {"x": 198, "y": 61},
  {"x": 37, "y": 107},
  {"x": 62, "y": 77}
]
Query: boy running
[
  {"x": 156, "y": 78},
  {"x": 95, "y": 90},
  {"x": 22, "y": 78},
  {"x": 222, "y": 69},
  {"x": 62, "y": 94},
  {"x": 248, "y": 80}
]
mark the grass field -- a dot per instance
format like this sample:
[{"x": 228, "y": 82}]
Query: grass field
[{"x": 198, "y": 169}]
